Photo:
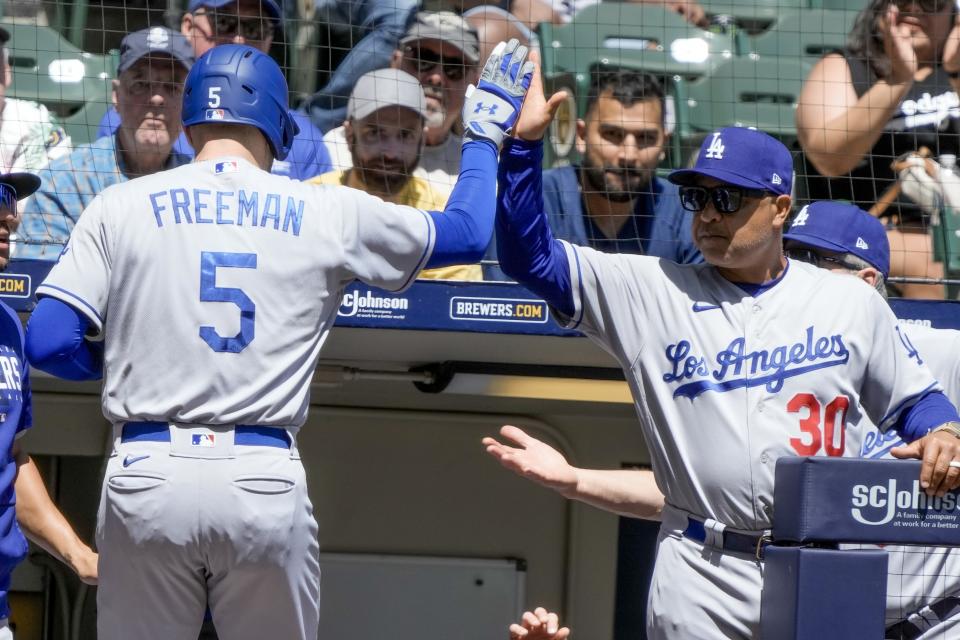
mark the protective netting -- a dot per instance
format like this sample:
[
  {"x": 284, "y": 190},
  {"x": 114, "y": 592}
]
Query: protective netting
[{"x": 860, "y": 91}]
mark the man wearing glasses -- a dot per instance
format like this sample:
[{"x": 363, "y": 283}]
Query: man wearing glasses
[
  {"x": 147, "y": 97},
  {"x": 442, "y": 51},
  {"x": 923, "y": 592},
  {"x": 728, "y": 361},
  {"x": 209, "y": 23},
  {"x": 924, "y": 583}
]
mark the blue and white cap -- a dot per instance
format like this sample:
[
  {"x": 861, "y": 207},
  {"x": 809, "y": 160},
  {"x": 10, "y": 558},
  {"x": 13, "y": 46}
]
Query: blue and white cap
[
  {"x": 744, "y": 158},
  {"x": 844, "y": 228}
]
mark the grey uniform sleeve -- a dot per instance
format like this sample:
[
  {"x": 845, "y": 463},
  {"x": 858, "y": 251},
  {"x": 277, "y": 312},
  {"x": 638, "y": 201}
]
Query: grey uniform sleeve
[
  {"x": 612, "y": 296},
  {"x": 81, "y": 277},
  {"x": 896, "y": 376},
  {"x": 385, "y": 245}
]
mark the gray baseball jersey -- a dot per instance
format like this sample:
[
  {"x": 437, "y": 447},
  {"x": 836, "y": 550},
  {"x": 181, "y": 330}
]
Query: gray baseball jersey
[
  {"x": 215, "y": 286},
  {"x": 922, "y": 575},
  {"x": 235, "y": 275},
  {"x": 726, "y": 382}
]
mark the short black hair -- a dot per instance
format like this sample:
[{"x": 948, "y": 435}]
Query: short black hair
[{"x": 627, "y": 86}]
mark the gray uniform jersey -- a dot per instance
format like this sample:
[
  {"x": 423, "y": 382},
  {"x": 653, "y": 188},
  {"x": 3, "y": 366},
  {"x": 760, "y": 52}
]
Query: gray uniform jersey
[
  {"x": 237, "y": 273},
  {"x": 725, "y": 382},
  {"x": 922, "y": 575}
]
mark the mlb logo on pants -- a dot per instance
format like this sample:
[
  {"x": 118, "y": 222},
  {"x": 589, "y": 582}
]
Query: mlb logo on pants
[{"x": 203, "y": 439}]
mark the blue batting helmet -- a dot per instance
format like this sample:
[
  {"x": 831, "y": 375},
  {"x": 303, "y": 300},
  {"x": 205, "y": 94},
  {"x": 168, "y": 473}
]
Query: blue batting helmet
[{"x": 234, "y": 83}]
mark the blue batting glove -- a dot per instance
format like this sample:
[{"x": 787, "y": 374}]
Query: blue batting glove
[{"x": 493, "y": 106}]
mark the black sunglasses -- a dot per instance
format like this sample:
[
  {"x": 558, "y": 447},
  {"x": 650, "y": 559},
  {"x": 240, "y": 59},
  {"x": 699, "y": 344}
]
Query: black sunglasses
[
  {"x": 726, "y": 198},
  {"x": 811, "y": 256},
  {"x": 227, "y": 25},
  {"x": 927, "y": 6},
  {"x": 425, "y": 61}
]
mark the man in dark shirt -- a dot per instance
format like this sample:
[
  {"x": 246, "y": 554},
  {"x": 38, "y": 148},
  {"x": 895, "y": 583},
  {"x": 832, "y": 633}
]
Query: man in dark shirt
[{"x": 613, "y": 201}]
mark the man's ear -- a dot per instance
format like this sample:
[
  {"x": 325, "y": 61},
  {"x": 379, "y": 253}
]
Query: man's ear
[
  {"x": 784, "y": 206},
  {"x": 186, "y": 25},
  {"x": 113, "y": 94},
  {"x": 396, "y": 59},
  {"x": 581, "y": 140},
  {"x": 869, "y": 275},
  {"x": 348, "y": 134}
]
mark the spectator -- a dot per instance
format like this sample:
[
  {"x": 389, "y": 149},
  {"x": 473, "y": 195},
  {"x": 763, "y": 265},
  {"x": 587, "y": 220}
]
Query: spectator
[
  {"x": 613, "y": 201},
  {"x": 29, "y": 136},
  {"x": 383, "y": 22},
  {"x": 889, "y": 92},
  {"x": 147, "y": 94},
  {"x": 384, "y": 133},
  {"x": 208, "y": 23},
  {"x": 494, "y": 25},
  {"x": 442, "y": 51}
]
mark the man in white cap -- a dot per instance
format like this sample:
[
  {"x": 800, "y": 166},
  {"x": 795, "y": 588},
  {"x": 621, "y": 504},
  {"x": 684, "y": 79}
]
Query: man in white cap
[
  {"x": 384, "y": 133},
  {"x": 441, "y": 50}
]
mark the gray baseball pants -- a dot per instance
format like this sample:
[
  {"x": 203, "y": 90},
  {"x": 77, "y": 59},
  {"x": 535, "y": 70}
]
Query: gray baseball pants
[{"x": 205, "y": 520}]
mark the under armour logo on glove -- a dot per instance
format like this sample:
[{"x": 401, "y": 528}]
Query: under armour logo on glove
[
  {"x": 492, "y": 109},
  {"x": 493, "y": 106}
]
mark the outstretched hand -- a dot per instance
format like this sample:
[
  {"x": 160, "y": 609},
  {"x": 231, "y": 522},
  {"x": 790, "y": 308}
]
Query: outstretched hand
[
  {"x": 533, "y": 459},
  {"x": 539, "y": 625},
  {"x": 898, "y": 45},
  {"x": 537, "y": 112},
  {"x": 951, "y": 49},
  {"x": 491, "y": 109}
]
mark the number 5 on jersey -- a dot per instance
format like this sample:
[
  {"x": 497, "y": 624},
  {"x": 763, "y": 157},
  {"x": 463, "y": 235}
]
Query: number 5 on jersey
[{"x": 210, "y": 292}]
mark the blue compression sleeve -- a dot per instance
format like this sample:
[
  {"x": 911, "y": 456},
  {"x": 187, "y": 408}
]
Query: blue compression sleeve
[
  {"x": 466, "y": 224},
  {"x": 55, "y": 342},
  {"x": 526, "y": 247},
  {"x": 931, "y": 411}
]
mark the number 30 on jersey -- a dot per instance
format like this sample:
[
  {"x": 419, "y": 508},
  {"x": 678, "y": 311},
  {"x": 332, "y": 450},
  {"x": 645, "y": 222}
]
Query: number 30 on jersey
[{"x": 826, "y": 436}]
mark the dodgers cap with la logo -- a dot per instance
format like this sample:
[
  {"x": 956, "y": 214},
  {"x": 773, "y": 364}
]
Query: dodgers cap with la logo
[
  {"x": 843, "y": 228},
  {"x": 744, "y": 158}
]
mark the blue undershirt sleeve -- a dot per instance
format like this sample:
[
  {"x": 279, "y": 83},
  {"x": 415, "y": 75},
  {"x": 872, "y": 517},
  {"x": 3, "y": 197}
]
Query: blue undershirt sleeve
[
  {"x": 56, "y": 342},
  {"x": 931, "y": 411},
  {"x": 465, "y": 226},
  {"x": 527, "y": 250}
]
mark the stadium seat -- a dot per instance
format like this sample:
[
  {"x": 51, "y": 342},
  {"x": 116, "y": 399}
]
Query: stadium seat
[
  {"x": 759, "y": 93},
  {"x": 750, "y": 12},
  {"x": 637, "y": 35},
  {"x": 849, "y": 5},
  {"x": 807, "y": 32},
  {"x": 75, "y": 86}
]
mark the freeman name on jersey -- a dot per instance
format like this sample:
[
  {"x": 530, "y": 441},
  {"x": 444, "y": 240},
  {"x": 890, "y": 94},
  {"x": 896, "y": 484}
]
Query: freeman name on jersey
[
  {"x": 242, "y": 208},
  {"x": 810, "y": 354}
]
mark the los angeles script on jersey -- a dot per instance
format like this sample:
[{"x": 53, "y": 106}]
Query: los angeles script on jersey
[
  {"x": 737, "y": 368},
  {"x": 242, "y": 208}
]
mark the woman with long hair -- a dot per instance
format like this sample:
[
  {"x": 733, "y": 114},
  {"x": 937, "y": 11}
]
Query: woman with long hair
[{"x": 891, "y": 91}]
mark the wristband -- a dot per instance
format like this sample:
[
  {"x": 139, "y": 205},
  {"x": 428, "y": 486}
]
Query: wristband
[{"x": 952, "y": 428}]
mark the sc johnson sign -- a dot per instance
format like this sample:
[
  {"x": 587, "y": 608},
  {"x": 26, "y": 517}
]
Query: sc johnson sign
[{"x": 880, "y": 504}]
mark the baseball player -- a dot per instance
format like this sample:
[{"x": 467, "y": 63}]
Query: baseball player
[
  {"x": 26, "y": 504},
  {"x": 204, "y": 294},
  {"x": 923, "y": 587},
  {"x": 732, "y": 364},
  {"x": 923, "y": 582}
]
